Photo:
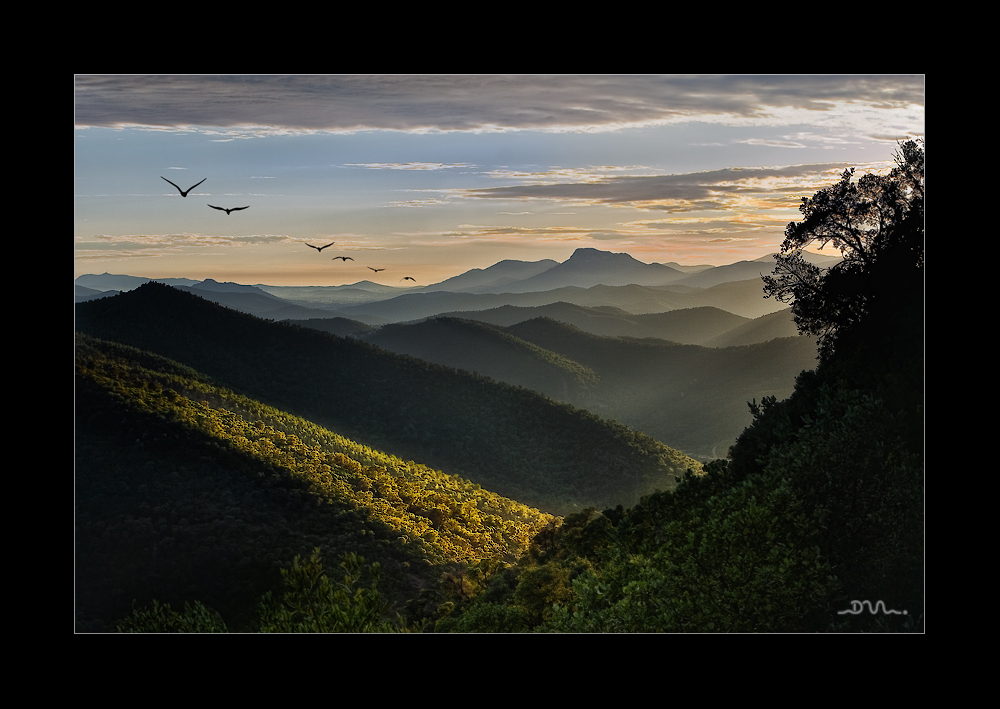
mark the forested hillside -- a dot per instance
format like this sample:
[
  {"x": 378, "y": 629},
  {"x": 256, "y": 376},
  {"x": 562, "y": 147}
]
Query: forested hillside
[
  {"x": 690, "y": 397},
  {"x": 815, "y": 520},
  {"x": 513, "y": 441},
  {"x": 490, "y": 351},
  {"x": 684, "y": 325},
  {"x": 186, "y": 491},
  {"x": 694, "y": 397}
]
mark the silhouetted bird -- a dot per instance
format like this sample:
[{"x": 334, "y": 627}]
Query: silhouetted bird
[
  {"x": 345, "y": 259},
  {"x": 184, "y": 193},
  {"x": 231, "y": 209},
  {"x": 376, "y": 269},
  {"x": 407, "y": 278},
  {"x": 319, "y": 248}
]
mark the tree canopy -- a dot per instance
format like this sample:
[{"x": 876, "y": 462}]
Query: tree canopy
[{"x": 877, "y": 222}]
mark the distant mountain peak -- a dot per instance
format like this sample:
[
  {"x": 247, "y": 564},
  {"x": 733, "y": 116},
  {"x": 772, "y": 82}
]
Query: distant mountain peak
[
  {"x": 212, "y": 285},
  {"x": 592, "y": 254}
]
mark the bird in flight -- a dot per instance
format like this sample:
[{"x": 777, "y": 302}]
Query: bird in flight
[
  {"x": 319, "y": 248},
  {"x": 376, "y": 269},
  {"x": 227, "y": 211},
  {"x": 407, "y": 278},
  {"x": 184, "y": 193},
  {"x": 345, "y": 259}
]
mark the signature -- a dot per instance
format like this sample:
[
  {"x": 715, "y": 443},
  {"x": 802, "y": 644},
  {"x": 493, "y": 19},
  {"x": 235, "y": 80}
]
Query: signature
[{"x": 857, "y": 606}]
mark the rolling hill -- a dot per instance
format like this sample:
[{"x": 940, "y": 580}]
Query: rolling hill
[
  {"x": 513, "y": 441},
  {"x": 689, "y": 397},
  {"x": 342, "y": 327},
  {"x": 185, "y": 490},
  {"x": 766, "y": 327},
  {"x": 487, "y": 350},
  {"x": 694, "y": 397},
  {"x": 743, "y": 298},
  {"x": 688, "y": 325}
]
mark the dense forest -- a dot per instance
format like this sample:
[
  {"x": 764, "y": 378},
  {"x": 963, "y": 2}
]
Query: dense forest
[
  {"x": 689, "y": 395},
  {"x": 818, "y": 508},
  {"x": 186, "y": 490},
  {"x": 223, "y": 462},
  {"x": 515, "y": 441}
]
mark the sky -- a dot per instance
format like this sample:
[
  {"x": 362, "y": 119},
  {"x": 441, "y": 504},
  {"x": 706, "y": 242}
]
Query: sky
[{"x": 429, "y": 176}]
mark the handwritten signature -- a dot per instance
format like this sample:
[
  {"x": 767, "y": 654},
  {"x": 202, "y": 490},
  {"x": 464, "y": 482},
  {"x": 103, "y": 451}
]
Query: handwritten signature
[{"x": 857, "y": 606}]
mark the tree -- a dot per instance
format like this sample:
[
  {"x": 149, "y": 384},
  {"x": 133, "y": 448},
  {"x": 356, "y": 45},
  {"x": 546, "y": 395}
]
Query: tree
[
  {"x": 313, "y": 603},
  {"x": 877, "y": 223}
]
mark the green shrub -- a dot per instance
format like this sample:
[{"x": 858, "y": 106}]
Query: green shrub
[
  {"x": 750, "y": 562},
  {"x": 312, "y": 603},
  {"x": 196, "y": 618}
]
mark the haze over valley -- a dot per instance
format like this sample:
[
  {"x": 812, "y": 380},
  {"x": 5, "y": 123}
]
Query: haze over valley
[{"x": 676, "y": 361}]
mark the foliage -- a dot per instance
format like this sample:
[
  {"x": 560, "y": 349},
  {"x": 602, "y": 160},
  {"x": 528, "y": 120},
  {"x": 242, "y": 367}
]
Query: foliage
[
  {"x": 185, "y": 489},
  {"x": 521, "y": 598},
  {"x": 830, "y": 514},
  {"x": 748, "y": 561},
  {"x": 195, "y": 618},
  {"x": 852, "y": 461},
  {"x": 877, "y": 222},
  {"x": 313, "y": 603},
  {"x": 486, "y": 617}
]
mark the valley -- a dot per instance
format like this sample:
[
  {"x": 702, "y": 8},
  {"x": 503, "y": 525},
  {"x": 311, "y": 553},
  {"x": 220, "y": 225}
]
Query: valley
[
  {"x": 590, "y": 340},
  {"x": 218, "y": 438}
]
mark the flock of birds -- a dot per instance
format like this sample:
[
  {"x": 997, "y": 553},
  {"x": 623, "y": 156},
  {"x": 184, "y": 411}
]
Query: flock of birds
[{"x": 230, "y": 210}]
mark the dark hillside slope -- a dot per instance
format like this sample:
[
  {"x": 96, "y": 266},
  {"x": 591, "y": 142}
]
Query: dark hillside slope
[
  {"x": 694, "y": 397},
  {"x": 515, "y": 442},
  {"x": 586, "y": 318},
  {"x": 342, "y": 327},
  {"x": 169, "y": 513},
  {"x": 692, "y": 326},
  {"x": 487, "y": 350},
  {"x": 762, "y": 329},
  {"x": 187, "y": 491}
]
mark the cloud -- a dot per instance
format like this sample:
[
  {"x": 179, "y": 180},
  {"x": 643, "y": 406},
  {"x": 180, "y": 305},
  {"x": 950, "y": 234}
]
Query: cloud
[
  {"x": 146, "y": 242},
  {"x": 730, "y": 239},
  {"x": 714, "y": 189},
  {"x": 239, "y": 105},
  {"x": 561, "y": 175},
  {"x": 417, "y": 203},
  {"x": 773, "y": 143},
  {"x": 635, "y": 231},
  {"x": 518, "y": 234},
  {"x": 407, "y": 165}
]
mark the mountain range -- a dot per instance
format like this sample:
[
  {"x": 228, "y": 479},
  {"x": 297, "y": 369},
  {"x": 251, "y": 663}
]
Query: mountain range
[
  {"x": 512, "y": 440},
  {"x": 689, "y": 396},
  {"x": 590, "y": 277},
  {"x": 676, "y": 361},
  {"x": 226, "y": 428}
]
